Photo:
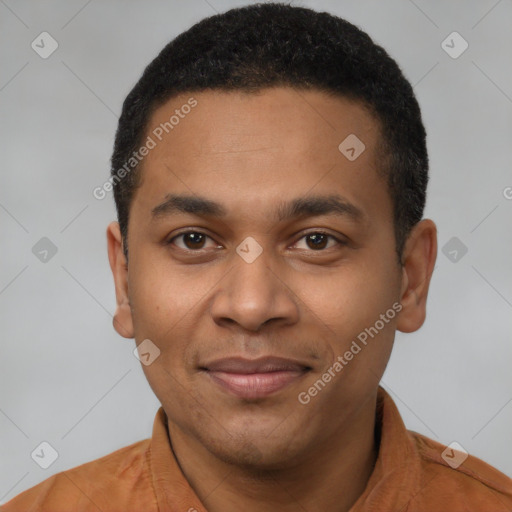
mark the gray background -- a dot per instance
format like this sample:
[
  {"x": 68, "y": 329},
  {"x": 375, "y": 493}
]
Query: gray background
[{"x": 67, "y": 378}]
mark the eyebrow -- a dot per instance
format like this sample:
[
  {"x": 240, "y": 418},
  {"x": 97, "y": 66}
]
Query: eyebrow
[{"x": 299, "y": 207}]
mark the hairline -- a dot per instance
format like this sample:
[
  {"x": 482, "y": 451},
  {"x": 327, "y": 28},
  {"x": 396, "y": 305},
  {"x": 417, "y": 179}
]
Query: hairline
[{"x": 383, "y": 151}]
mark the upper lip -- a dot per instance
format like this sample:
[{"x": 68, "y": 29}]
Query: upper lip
[{"x": 260, "y": 365}]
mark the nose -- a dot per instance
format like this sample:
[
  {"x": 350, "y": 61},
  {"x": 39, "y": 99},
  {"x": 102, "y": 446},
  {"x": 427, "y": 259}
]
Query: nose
[{"x": 254, "y": 294}]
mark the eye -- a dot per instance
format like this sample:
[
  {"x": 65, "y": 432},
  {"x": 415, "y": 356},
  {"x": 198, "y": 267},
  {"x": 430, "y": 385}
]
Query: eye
[
  {"x": 318, "y": 240},
  {"x": 192, "y": 240},
  {"x": 196, "y": 240}
]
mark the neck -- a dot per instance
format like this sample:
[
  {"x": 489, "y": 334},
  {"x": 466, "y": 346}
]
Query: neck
[{"x": 330, "y": 476}]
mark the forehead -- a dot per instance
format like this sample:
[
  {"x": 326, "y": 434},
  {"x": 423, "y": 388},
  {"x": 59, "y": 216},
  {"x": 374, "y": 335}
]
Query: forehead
[
  {"x": 249, "y": 118},
  {"x": 249, "y": 148}
]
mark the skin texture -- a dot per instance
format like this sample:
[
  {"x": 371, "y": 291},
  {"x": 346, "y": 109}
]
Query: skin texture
[{"x": 250, "y": 152}]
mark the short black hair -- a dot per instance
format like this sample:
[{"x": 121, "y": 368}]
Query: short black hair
[{"x": 275, "y": 44}]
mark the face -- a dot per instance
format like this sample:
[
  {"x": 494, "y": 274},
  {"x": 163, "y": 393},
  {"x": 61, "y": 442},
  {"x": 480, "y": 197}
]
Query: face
[{"x": 253, "y": 235}]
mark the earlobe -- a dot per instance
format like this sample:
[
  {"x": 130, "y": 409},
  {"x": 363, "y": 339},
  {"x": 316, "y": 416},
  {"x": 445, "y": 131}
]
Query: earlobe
[
  {"x": 419, "y": 257},
  {"x": 122, "y": 321}
]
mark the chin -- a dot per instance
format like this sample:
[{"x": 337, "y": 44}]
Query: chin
[{"x": 255, "y": 455}]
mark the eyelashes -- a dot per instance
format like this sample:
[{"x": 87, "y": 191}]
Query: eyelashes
[{"x": 318, "y": 237}]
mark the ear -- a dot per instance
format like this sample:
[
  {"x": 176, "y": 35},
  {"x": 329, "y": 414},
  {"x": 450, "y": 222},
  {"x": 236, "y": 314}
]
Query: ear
[
  {"x": 123, "y": 322},
  {"x": 419, "y": 257}
]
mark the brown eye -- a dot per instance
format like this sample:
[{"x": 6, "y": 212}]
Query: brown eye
[
  {"x": 318, "y": 241},
  {"x": 194, "y": 240},
  {"x": 191, "y": 240}
]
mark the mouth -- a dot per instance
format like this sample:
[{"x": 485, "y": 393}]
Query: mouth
[{"x": 256, "y": 378}]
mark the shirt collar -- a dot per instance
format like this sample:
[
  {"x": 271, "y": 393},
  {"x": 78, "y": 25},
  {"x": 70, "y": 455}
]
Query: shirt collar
[
  {"x": 172, "y": 490},
  {"x": 396, "y": 477}
]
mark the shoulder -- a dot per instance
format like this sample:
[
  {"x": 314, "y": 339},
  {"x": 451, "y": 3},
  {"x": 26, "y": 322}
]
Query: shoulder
[
  {"x": 114, "y": 480},
  {"x": 458, "y": 480}
]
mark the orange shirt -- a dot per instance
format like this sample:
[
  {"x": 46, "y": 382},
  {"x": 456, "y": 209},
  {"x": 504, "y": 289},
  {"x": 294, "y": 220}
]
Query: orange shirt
[{"x": 410, "y": 475}]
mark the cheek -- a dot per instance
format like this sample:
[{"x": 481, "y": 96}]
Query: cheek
[
  {"x": 351, "y": 294},
  {"x": 167, "y": 302},
  {"x": 352, "y": 299},
  {"x": 160, "y": 295}
]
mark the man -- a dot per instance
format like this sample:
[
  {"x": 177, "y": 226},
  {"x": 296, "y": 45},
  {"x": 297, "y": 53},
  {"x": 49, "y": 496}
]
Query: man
[{"x": 270, "y": 172}]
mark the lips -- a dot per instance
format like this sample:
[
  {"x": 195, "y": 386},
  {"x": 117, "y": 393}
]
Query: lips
[
  {"x": 254, "y": 378},
  {"x": 260, "y": 365}
]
